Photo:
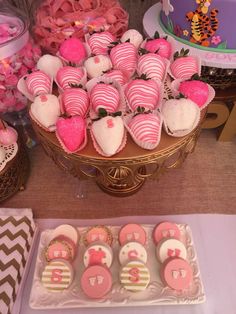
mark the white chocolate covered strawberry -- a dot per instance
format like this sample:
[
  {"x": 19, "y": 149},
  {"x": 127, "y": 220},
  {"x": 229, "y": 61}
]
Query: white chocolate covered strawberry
[
  {"x": 153, "y": 65},
  {"x": 132, "y": 36},
  {"x": 38, "y": 83},
  {"x": 97, "y": 65},
  {"x": 124, "y": 57},
  {"x": 75, "y": 101},
  {"x": 184, "y": 66},
  {"x": 104, "y": 96},
  {"x": 159, "y": 46},
  {"x": 195, "y": 90},
  {"x": 68, "y": 76},
  {"x": 99, "y": 43},
  {"x": 142, "y": 93}
]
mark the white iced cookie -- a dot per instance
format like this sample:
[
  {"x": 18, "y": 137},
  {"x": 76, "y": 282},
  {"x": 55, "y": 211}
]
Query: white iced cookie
[
  {"x": 49, "y": 65},
  {"x": 98, "y": 254},
  {"x": 132, "y": 251},
  {"x": 133, "y": 36},
  {"x": 97, "y": 65},
  {"x": 67, "y": 231},
  {"x": 2, "y": 154},
  {"x": 170, "y": 248}
]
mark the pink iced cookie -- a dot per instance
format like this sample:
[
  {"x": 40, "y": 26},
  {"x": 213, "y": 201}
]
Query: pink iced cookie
[
  {"x": 96, "y": 281},
  {"x": 132, "y": 232},
  {"x": 99, "y": 42},
  {"x": 98, "y": 253},
  {"x": 166, "y": 230},
  {"x": 177, "y": 274},
  {"x": 170, "y": 248},
  {"x": 59, "y": 249},
  {"x": 67, "y": 231},
  {"x": 38, "y": 83},
  {"x": 104, "y": 96},
  {"x": 132, "y": 251},
  {"x": 73, "y": 50},
  {"x": 98, "y": 233}
]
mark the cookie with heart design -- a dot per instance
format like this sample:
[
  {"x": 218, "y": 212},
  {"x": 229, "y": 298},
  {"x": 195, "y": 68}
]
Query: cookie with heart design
[
  {"x": 104, "y": 96},
  {"x": 45, "y": 111},
  {"x": 71, "y": 133},
  {"x": 153, "y": 65},
  {"x": 75, "y": 101},
  {"x": 38, "y": 83},
  {"x": 68, "y": 76},
  {"x": 99, "y": 42}
]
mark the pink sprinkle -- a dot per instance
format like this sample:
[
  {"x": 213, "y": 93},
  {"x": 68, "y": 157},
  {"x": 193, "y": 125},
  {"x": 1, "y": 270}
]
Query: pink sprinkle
[
  {"x": 43, "y": 98},
  {"x": 110, "y": 123},
  {"x": 96, "y": 59}
]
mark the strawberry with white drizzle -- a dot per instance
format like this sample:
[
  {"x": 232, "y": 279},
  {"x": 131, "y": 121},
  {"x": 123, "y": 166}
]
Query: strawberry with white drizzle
[
  {"x": 38, "y": 83},
  {"x": 142, "y": 92},
  {"x": 146, "y": 127},
  {"x": 158, "y": 45},
  {"x": 104, "y": 96},
  {"x": 75, "y": 101},
  {"x": 68, "y": 76},
  {"x": 99, "y": 42},
  {"x": 124, "y": 57},
  {"x": 184, "y": 66},
  {"x": 117, "y": 75},
  {"x": 153, "y": 65}
]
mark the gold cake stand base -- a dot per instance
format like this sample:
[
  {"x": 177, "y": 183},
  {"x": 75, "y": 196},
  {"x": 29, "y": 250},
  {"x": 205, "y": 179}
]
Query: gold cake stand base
[{"x": 126, "y": 172}]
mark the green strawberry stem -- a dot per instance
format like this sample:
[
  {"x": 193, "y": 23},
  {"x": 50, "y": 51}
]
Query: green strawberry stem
[
  {"x": 196, "y": 77},
  {"x": 141, "y": 110},
  {"x": 180, "y": 54},
  {"x": 142, "y": 51}
]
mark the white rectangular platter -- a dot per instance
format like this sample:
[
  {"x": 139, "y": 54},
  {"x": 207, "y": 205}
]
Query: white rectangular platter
[{"x": 155, "y": 294}]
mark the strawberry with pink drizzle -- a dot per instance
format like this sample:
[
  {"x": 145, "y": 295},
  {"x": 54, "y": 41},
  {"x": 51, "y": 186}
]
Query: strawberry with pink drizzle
[
  {"x": 195, "y": 90},
  {"x": 124, "y": 57},
  {"x": 159, "y": 45},
  {"x": 146, "y": 127},
  {"x": 142, "y": 92},
  {"x": 38, "y": 83},
  {"x": 71, "y": 133},
  {"x": 99, "y": 43},
  {"x": 118, "y": 76},
  {"x": 68, "y": 76},
  {"x": 75, "y": 101},
  {"x": 153, "y": 65},
  {"x": 104, "y": 96},
  {"x": 73, "y": 50},
  {"x": 184, "y": 66}
]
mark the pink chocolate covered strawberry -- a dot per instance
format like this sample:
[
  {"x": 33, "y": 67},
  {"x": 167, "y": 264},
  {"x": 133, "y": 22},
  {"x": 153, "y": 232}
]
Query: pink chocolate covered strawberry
[
  {"x": 38, "y": 83},
  {"x": 153, "y": 65},
  {"x": 104, "y": 96},
  {"x": 184, "y": 66},
  {"x": 159, "y": 45},
  {"x": 68, "y": 76},
  {"x": 195, "y": 90},
  {"x": 142, "y": 92},
  {"x": 99, "y": 42},
  {"x": 73, "y": 50},
  {"x": 75, "y": 101},
  {"x": 124, "y": 57},
  {"x": 71, "y": 133},
  {"x": 118, "y": 76}
]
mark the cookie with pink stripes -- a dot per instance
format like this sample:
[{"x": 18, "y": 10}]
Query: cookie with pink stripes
[
  {"x": 99, "y": 42},
  {"x": 153, "y": 65},
  {"x": 124, "y": 57},
  {"x": 75, "y": 101},
  {"x": 104, "y": 96},
  {"x": 38, "y": 83},
  {"x": 142, "y": 93},
  {"x": 184, "y": 66},
  {"x": 68, "y": 76},
  {"x": 118, "y": 76}
]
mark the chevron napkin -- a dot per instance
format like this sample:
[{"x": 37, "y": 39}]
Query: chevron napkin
[{"x": 17, "y": 229}]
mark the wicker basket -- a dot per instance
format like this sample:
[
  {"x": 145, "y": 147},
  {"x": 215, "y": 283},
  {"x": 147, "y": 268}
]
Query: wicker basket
[
  {"x": 14, "y": 175},
  {"x": 219, "y": 78}
]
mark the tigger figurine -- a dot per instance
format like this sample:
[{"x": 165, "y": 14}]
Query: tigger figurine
[{"x": 202, "y": 26}]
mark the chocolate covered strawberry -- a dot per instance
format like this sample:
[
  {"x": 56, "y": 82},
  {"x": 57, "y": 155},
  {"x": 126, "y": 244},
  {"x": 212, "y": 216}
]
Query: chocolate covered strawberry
[
  {"x": 99, "y": 43},
  {"x": 124, "y": 57},
  {"x": 68, "y": 76},
  {"x": 97, "y": 65},
  {"x": 118, "y": 76},
  {"x": 159, "y": 45},
  {"x": 71, "y": 133},
  {"x": 195, "y": 90},
  {"x": 104, "y": 96},
  {"x": 75, "y": 101},
  {"x": 142, "y": 92},
  {"x": 73, "y": 50},
  {"x": 184, "y": 66},
  {"x": 38, "y": 83},
  {"x": 153, "y": 66}
]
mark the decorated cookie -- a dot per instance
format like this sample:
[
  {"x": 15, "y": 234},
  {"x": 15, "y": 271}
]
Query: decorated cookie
[
  {"x": 98, "y": 233},
  {"x": 99, "y": 42},
  {"x": 38, "y": 83},
  {"x": 68, "y": 77},
  {"x": 98, "y": 253},
  {"x": 67, "y": 231},
  {"x": 124, "y": 57},
  {"x": 135, "y": 276},
  {"x": 195, "y": 90},
  {"x": 177, "y": 274},
  {"x": 57, "y": 275},
  {"x": 132, "y": 36},
  {"x": 153, "y": 65},
  {"x": 132, "y": 232},
  {"x": 104, "y": 96},
  {"x": 118, "y": 76},
  {"x": 167, "y": 248},
  {"x": 49, "y": 65},
  {"x": 166, "y": 230},
  {"x": 160, "y": 46},
  {"x": 132, "y": 251},
  {"x": 97, "y": 65},
  {"x": 108, "y": 135},
  {"x": 75, "y": 101},
  {"x": 73, "y": 50},
  {"x": 96, "y": 281},
  {"x": 60, "y": 248},
  {"x": 45, "y": 110}
]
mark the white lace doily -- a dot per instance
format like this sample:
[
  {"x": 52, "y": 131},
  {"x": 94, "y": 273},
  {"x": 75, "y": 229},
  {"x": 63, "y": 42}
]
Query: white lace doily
[{"x": 11, "y": 151}]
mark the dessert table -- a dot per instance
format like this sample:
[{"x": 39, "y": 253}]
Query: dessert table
[{"x": 214, "y": 240}]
